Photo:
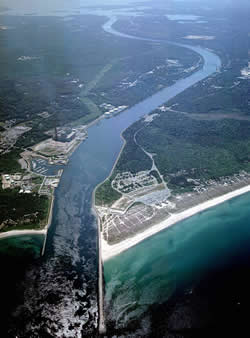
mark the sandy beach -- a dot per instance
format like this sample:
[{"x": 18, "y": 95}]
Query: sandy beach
[
  {"x": 14, "y": 233},
  {"x": 108, "y": 251},
  {"x": 44, "y": 231}
]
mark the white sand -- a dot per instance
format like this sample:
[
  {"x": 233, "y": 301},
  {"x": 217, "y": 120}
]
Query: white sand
[
  {"x": 44, "y": 231},
  {"x": 109, "y": 251},
  {"x": 14, "y": 233}
]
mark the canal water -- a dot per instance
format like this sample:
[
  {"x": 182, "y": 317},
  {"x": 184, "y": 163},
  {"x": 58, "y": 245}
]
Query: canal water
[{"x": 57, "y": 295}]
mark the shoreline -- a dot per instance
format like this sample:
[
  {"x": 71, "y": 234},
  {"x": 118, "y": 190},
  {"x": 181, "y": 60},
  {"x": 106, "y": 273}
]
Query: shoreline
[
  {"x": 109, "y": 251},
  {"x": 110, "y": 174},
  {"x": 44, "y": 231},
  {"x": 17, "y": 233}
]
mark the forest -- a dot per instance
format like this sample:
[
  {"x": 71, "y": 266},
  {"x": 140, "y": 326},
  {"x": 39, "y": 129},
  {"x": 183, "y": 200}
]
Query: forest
[{"x": 23, "y": 211}]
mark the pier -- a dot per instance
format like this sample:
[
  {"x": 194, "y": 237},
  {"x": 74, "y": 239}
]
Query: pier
[
  {"x": 48, "y": 224},
  {"x": 102, "y": 327}
]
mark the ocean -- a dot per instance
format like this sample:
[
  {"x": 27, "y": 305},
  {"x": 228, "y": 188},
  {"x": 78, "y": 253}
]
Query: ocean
[
  {"x": 56, "y": 295},
  {"x": 176, "y": 261}
]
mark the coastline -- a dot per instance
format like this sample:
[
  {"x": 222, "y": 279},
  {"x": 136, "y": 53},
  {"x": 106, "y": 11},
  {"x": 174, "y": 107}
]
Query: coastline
[
  {"x": 109, "y": 251},
  {"x": 44, "y": 231},
  {"x": 17, "y": 233},
  {"x": 13, "y": 233}
]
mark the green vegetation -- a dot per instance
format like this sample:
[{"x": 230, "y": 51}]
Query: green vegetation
[
  {"x": 85, "y": 119},
  {"x": 71, "y": 83},
  {"x": 132, "y": 158},
  {"x": 92, "y": 84},
  {"x": 156, "y": 175},
  {"x": 37, "y": 180},
  {"x": 188, "y": 148},
  {"x": 105, "y": 194},
  {"x": 230, "y": 43},
  {"x": 224, "y": 94},
  {"x": 23, "y": 211},
  {"x": 185, "y": 149},
  {"x": 130, "y": 80},
  {"x": 9, "y": 163},
  {"x": 192, "y": 147},
  {"x": 215, "y": 148},
  {"x": 50, "y": 67},
  {"x": 91, "y": 107}
]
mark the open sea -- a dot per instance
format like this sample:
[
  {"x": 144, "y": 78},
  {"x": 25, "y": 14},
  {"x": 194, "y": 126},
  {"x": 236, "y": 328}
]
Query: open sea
[
  {"x": 208, "y": 253},
  {"x": 191, "y": 280}
]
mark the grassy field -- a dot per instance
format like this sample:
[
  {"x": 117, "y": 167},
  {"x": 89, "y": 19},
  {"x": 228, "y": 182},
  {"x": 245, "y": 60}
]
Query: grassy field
[{"x": 105, "y": 195}]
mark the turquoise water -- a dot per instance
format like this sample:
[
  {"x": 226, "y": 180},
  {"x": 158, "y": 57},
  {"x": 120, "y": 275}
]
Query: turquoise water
[
  {"x": 68, "y": 269},
  {"x": 175, "y": 258},
  {"x": 27, "y": 245}
]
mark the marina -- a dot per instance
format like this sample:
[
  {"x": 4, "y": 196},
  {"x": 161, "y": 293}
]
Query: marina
[{"x": 66, "y": 278}]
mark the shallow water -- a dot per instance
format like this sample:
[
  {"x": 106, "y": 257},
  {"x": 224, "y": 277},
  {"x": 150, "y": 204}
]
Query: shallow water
[
  {"x": 22, "y": 245},
  {"x": 59, "y": 291},
  {"x": 174, "y": 259}
]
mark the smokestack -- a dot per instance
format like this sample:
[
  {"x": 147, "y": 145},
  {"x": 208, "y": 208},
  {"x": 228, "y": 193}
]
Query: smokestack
[{"x": 56, "y": 137}]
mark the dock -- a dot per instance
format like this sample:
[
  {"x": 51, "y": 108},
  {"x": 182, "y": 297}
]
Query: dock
[{"x": 102, "y": 326}]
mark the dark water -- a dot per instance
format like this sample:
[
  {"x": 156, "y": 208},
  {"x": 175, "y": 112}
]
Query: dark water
[
  {"x": 27, "y": 245},
  {"x": 191, "y": 252},
  {"x": 16, "y": 254},
  {"x": 56, "y": 296}
]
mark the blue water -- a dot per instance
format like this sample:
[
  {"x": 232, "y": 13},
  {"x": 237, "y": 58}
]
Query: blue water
[
  {"x": 27, "y": 245},
  {"x": 42, "y": 167},
  {"x": 174, "y": 259},
  {"x": 65, "y": 280}
]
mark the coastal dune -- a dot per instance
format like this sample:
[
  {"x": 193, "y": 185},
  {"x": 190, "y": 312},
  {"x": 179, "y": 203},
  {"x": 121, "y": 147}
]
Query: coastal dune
[{"x": 109, "y": 251}]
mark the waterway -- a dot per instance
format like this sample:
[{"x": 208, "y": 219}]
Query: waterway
[{"x": 58, "y": 294}]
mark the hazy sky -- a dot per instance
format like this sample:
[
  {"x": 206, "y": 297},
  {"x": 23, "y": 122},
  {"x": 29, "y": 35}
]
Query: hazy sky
[
  {"x": 46, "y": 6},
  {"x": 49, "y": 4}
]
